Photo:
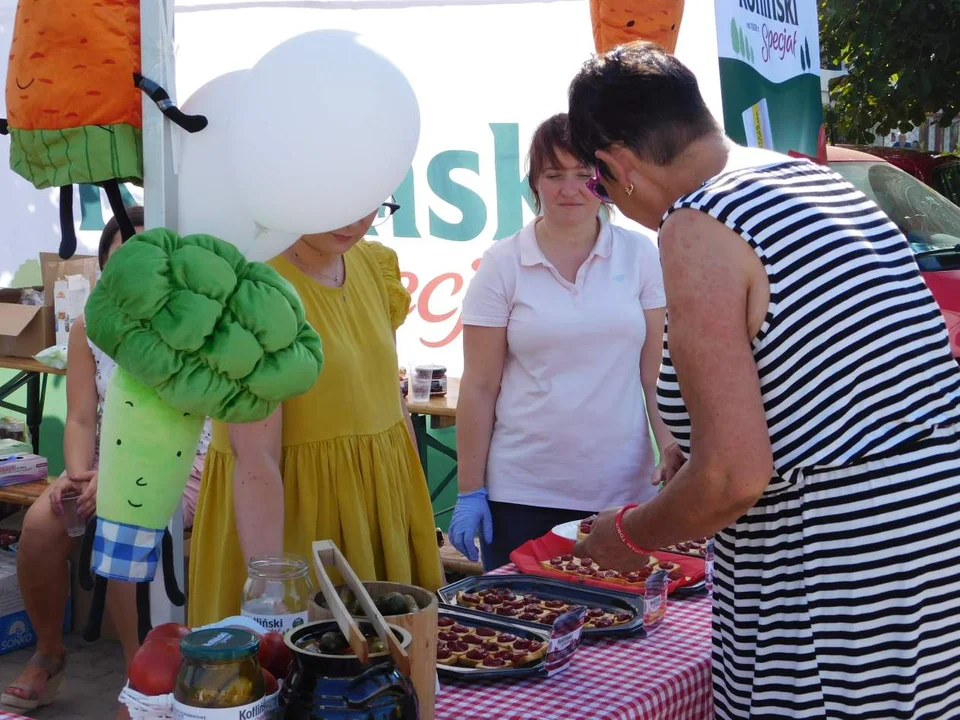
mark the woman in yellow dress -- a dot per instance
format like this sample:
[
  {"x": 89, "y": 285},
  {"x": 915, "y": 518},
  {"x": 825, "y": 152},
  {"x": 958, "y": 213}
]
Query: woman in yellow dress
[{"x": 337, "y": 462}]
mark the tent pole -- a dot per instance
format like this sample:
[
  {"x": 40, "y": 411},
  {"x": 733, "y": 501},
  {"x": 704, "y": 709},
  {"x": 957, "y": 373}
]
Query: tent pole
[{"x": 160, "y": 206}]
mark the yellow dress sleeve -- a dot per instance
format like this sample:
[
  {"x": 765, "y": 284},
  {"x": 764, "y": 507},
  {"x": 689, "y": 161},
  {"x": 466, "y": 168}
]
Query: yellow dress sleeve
[{"x": 397, "y": 295}]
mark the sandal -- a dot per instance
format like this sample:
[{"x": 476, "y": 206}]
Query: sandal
[{"x": 30, "y": 698}]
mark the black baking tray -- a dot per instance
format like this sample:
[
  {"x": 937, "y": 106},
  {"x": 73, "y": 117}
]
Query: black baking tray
[
  {"x": 550, "y": 589},
  {"x": 472, "y": 618},
  {"x": 683, "y": 591}
]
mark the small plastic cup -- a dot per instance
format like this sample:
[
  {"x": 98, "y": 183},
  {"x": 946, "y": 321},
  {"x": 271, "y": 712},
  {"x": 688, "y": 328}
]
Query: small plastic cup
[
  {"x": 74, "y": 524},
  {"x": 420, "y": 382}
]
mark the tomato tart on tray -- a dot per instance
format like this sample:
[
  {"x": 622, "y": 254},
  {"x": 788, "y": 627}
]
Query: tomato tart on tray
[
  {"x": 532, "y": 608},
  {"x": 552, "y": 556},
  {"x": 485, "y": 648},
  {"x": 580, "y": 529}
]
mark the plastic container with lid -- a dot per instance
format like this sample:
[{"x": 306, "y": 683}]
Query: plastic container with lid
[
  {"x": 277, "y": 592},
  {"x": 438, "y": 384},
  {"x": 219, "y": 676}
]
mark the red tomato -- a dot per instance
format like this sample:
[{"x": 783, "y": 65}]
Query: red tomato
[
  {"x": 174, "y": 631},
  {"x": 155, "y": 666},
  {"x": 274, "y": 655},
  {"x": 269, "y": 683}
]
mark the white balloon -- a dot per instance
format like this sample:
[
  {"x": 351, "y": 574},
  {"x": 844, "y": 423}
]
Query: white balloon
[
  {"x": 208, "y": 201},
  {"x": 324, "y": 131}
]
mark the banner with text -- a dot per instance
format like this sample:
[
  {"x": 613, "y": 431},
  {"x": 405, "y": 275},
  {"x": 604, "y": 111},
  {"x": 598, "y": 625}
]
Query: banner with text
[{"x": 770, "y": 73}]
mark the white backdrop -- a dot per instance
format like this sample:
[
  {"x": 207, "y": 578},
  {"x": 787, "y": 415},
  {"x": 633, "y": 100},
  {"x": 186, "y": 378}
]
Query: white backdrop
[{"x": 486, "y": 73}]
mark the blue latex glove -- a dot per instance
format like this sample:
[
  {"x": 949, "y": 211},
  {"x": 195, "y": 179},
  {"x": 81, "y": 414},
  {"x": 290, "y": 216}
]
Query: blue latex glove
[{"x": 471, "y": 514}]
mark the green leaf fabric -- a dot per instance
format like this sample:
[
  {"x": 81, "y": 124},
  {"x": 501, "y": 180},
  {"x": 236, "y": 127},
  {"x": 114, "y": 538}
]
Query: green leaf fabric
[
  {"x": 78, "y": 155},
  {"x": 209, "y": 331}
]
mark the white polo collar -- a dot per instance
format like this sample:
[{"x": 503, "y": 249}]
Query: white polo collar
[{"x": 531, "y": 254}]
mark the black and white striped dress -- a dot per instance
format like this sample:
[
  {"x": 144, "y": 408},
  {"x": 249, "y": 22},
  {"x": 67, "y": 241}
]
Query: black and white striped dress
[{"x": 838, "y": 594}]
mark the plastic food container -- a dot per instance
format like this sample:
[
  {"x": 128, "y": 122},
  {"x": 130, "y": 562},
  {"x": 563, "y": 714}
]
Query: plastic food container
[
  {"x": 219, "y": 676},
  {"x": 438, "y": 384}
]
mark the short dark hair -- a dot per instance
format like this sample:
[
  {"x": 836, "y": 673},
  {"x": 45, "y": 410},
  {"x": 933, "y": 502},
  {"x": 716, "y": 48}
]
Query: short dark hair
[
  {"x": 640, "y": 96},
  {"x": 110, "y": 230},
  {"x": 551, "y": 138}
]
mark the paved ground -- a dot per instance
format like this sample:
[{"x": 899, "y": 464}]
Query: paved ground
[{"x": 93, "y": 680}]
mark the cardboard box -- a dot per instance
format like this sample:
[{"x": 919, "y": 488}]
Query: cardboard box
[
  {"x": 69, "y": 299},
  {"x": 66, "y": 286},
  {"x": 22, "y": 468},
  {"x": 16, "y": 631},
  {"x": 25, "y": 330}
]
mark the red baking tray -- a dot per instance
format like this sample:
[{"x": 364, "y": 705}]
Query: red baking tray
[{"x": 528, "y": 557}]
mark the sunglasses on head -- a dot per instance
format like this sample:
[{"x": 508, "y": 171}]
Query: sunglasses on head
[{"x": 595, "y": 186}]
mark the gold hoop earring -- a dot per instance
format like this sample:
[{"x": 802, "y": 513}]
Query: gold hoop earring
[{"x": 629, "y": 189}]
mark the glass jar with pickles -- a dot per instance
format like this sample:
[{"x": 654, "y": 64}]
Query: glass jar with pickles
[
  {"x": 219, "y": 676},
  {"x": 277, "y": 591}
]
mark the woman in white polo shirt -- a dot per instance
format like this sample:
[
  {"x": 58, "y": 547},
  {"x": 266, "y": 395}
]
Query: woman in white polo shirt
[{"x": 562, "y": 341}]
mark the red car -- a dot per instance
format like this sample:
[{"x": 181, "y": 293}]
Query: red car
[
  {"x": 941, "y": 172},
  {"x": 930, "y": 222}
]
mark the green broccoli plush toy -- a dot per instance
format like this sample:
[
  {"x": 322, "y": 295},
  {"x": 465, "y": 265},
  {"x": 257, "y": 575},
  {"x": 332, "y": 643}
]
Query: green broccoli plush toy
[{"x": 196, "y": 330}]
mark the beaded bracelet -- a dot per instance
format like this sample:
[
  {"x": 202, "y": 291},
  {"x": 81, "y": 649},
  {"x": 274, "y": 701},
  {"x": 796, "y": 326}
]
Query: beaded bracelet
[{"x": 618, "y": 524}]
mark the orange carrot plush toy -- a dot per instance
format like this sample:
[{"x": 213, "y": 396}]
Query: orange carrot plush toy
[
  {"x": 73, "y": 101},
  {"x": 616, "y": 22}
]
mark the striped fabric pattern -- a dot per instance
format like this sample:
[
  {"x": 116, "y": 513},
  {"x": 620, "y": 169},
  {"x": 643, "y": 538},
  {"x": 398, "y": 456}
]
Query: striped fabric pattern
[{"x": 837, "y": 595}]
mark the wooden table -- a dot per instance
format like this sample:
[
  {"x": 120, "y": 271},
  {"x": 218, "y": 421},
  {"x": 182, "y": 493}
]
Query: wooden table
[
  {"x": 25, "y": 494},
  {"x": 33, "y": 374},
  {"x": 456, "y": 562},
  {"x": 442, "y": 411}
]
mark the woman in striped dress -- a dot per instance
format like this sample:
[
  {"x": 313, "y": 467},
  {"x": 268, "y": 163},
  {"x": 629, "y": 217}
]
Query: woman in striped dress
[{"x": 809, "y": 385}]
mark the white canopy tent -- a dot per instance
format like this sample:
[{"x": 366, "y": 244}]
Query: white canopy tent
[{"x": 486, "y": 73}]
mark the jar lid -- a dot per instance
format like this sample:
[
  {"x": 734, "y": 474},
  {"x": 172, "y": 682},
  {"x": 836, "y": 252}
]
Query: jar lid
[{"x": 219, "y": 644}]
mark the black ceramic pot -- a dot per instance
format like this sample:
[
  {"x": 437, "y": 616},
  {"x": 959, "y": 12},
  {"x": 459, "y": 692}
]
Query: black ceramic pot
[{"x": 340, "y": 687}]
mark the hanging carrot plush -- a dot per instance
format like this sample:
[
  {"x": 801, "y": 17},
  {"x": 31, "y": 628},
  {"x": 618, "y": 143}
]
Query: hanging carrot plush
[
  {"x": 73, "y": 101},
  {"x": 616, "y": 22}
]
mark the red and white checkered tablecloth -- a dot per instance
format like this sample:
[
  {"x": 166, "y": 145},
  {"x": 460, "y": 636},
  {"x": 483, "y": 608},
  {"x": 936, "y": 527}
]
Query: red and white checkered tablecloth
[{"x": 665, "y": 676}]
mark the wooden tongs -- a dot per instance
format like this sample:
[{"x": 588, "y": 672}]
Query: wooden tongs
[{"x": 325, "y": 552}]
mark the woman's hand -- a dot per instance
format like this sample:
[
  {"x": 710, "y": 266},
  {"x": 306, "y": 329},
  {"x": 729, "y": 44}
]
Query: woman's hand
[
  {"x": 66, "y": 483},
  {"x": 471, "y": 517},
  {"x": 605, "y": 547},
  {"x": 87, "y": 503},
  {"x": 671, "y": 460}
]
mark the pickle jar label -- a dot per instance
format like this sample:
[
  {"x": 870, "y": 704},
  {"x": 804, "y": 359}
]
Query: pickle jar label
[
  {"x": 654, "y": 600},
  {"x": 253, "y": 711},
  {"x": 278, "y": 623}
]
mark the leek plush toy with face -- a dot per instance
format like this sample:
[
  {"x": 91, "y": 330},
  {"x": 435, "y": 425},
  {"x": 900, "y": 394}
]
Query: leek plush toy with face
[{"x": 196, "y": 331}]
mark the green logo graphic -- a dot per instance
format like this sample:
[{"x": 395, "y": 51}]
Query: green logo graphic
[
  {"x": 805, "y": 56},
  {"x": 741, "y": 44}
]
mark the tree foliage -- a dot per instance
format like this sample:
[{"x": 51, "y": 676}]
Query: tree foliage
[{"x": 903, "y": 59}]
